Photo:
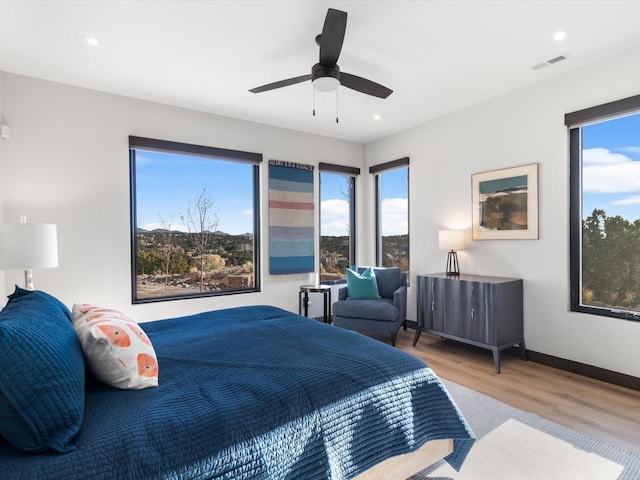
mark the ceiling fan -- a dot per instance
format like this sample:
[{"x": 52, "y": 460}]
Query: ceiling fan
[{"x": 326, "y": 75}]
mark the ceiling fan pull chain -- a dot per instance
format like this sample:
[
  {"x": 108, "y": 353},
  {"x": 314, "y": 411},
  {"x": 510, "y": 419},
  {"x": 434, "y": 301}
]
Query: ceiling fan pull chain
[
  {"x": 336, "y": 106},
  {"x": 314, "y": 100}
]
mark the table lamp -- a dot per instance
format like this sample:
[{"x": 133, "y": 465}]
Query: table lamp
[
  {"x": 27, "y": 246},
  {"x": 451, "y": 240}
]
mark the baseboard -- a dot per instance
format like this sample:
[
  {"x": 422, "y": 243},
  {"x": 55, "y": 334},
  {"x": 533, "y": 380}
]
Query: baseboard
[{"x": 597, "y": 373}]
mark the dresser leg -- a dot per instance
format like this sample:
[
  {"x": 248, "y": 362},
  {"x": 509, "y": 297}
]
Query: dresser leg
[
  {"x": 496, "y": 358},
  {"x": 416, "y": 336}
]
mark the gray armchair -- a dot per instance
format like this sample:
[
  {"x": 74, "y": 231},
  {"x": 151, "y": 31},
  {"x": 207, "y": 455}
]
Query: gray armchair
[{"x": 380, "y": 316}]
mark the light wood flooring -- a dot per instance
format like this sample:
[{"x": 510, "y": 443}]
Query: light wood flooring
[{"x": 602, "y": 410}]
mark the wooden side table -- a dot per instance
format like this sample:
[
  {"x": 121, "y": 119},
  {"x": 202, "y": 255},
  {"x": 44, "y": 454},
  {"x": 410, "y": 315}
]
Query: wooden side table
[{"x": 303, "y": 300}]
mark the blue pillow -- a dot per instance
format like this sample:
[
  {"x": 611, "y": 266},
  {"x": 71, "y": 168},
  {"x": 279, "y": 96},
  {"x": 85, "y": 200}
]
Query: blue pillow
[
  {"x": 363, "y": 285},
  {"x": 389, "y": 280},
  {"x": 41, "y": 374}
]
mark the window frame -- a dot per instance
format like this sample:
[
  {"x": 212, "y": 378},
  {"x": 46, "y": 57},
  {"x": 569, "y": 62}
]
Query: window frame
[
  {"x": 351, "y": 172},
  {"x": 214, "y": 153},
  {"x": 574, "y": 122},
  {"x": 376, "y": 171}
]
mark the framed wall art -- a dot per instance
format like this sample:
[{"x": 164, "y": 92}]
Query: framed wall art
[
  {"x": 505, "y": 203},
  {"x": 291, "y": 218}
]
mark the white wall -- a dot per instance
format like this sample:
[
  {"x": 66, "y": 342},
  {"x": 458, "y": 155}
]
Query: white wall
[
  {"x": 2, "y": 121},
  {"x": 67, "y": 163},
  {"x": 525, "y": 126}
]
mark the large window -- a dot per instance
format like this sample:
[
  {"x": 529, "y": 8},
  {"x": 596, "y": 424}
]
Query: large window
[
  {"x": 337, "y": 221},
  {"x": 194, "y": 220},
  {"x": 605, "y": 209},
  {"x": 392, "y": 214}
]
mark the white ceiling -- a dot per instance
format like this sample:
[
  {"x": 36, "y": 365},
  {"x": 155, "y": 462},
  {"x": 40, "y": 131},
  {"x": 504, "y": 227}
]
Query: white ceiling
[{"x": 437, "y": 56}]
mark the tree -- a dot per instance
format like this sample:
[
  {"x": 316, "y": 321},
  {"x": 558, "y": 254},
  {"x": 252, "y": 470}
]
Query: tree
[
  {"x": 148, "y": 262},
  {"x": 167, "y": 246},
  {"x": 621, "y": 238},
  {"x": 610, "y": 261},
  {"x": 348, "y": 195},
  {"x": 593, "y": 261},
  {"x": 201, "y": 221},
  {"x": 180, "y": 263}
]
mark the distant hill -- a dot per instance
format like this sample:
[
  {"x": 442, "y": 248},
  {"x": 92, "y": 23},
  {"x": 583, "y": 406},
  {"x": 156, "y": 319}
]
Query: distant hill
[{"x": 164, "y": 230}]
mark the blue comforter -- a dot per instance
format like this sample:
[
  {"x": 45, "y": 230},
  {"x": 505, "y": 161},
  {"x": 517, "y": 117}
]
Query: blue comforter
[{"x": 256, "y": 393}]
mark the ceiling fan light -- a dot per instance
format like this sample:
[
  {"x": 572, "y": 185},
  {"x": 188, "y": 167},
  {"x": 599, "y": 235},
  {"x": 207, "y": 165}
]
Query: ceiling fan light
[{"x": 326, "y": 84}]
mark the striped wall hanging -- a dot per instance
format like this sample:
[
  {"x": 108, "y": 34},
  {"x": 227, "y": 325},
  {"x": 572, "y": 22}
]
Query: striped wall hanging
[{"x": 291, "y": 218}]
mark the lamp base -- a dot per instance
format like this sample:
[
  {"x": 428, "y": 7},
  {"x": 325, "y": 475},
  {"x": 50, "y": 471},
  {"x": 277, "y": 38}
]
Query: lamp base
[
  {"x": 452, "y": 264},
  {"x": 28, "y": 280}
]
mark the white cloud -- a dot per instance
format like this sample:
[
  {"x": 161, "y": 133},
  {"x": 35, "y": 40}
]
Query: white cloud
[
  {"x": 395, "y": 216},
  {"x": 335, "y": 217},
  {"x": 602, "y": 156},
  {"x": 632, "y": 200},
  {"x": 630, "y": 149},
  {"x": 607, "y": 172}
]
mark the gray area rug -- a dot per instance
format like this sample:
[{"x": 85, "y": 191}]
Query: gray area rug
[{"x": 485, "y": 414}]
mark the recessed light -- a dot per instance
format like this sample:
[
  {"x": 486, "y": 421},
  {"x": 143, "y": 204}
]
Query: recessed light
[
  {"x": 93, "y": 41},
  {"x": 377, "y": 116},
  {"x": 560, "y": 35}
]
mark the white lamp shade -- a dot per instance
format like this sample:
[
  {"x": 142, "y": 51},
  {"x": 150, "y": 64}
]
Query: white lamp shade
[
  {"x": 28, "y": 246},
  {"x": 451, "y": 240}
]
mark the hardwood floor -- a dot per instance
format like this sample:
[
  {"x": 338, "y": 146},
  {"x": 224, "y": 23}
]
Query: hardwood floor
[{"x": 602, "y": 410}]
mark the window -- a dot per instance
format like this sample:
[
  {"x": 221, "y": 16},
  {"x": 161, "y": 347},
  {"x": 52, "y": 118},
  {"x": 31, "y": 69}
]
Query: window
[
  {"x": 337, "y": 221},
  {"x": 605, "y": 209},
  {"x": 194, "y": 220},
  {"x": 392, "y": 214}
]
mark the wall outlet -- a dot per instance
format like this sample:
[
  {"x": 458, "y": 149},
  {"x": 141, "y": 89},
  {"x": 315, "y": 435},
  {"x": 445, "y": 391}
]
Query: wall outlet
[{"x": 5, "y": 131}]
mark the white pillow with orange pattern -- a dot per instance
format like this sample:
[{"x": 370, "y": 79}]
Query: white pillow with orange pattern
[{"x": 117, "y": 351}]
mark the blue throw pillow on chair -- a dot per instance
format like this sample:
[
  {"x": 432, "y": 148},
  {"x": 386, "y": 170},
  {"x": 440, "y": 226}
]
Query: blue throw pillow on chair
[
  {"x": 360, "y": 286},
  {"x": 388, "y": 279}
]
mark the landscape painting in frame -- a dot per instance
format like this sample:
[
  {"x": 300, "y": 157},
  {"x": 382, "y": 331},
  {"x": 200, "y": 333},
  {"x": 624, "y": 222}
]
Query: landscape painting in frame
[{"x": 505, "y": 203}]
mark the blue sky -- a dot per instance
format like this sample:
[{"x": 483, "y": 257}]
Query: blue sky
[
  {"x": 167, "y": 183},
  {"x": 611, "y": 167}
]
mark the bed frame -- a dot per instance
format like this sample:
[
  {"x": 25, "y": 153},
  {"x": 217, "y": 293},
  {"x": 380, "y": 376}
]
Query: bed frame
[{"x": 404, "y": 466}]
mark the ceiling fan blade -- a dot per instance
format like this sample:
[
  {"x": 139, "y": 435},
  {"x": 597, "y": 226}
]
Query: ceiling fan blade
[
  {"x": 363, "y": 85},
  {"x": 281, "y": 83},
  {"x": 332, "y": 37}
]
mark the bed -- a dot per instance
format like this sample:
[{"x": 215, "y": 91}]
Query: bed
[{"x": 259, "y": 393}]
